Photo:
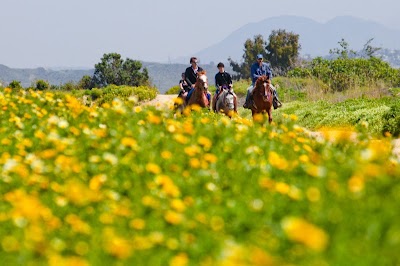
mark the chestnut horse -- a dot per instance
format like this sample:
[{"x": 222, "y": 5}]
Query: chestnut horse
[
  {"x": 199, "y": 95},
  {"x": 262, "y": 96}
]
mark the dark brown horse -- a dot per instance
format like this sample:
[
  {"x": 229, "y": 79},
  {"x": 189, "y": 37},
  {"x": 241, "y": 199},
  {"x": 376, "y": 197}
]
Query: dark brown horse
[
  {"x": 263, "y": 96},
  {"x": 199, "y": 95}
]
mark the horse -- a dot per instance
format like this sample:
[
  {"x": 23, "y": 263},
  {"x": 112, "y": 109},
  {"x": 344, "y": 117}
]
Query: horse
[
  {"x": 262, "y": 96},
  {"x": 226, "y": 102},
  {"x": 199, "y": 95}
]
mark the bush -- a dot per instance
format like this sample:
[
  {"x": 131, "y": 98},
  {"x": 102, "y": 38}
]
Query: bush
[
  {"x": 392, "y": 121},
  {"x": 42, "y": 85},
  {"x": 109, "y": 93},
  {"x": 15, "y": 84},
  {"x": 173, "y": 90}
]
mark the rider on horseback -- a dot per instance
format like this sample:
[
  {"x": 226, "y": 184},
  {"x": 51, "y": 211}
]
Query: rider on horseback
[
  {"x": 259, "y": 69},
  {"x": 183, "y": 85},
  {"x": 222, "y": 79},
  {"x": 191, "y": 77}
]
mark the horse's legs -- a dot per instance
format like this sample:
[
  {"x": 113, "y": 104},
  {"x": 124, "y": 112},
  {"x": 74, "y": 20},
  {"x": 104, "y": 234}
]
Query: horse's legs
[
  {"x": 214, "y": 103},
  {"x": 269, "y": 115},
  {"x": 235, "y": 103}
]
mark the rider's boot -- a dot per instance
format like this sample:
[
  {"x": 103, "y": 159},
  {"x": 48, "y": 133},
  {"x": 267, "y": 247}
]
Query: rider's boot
[
  {"x": 275, "y": 101},
  {"x": 246, "y": 103}
]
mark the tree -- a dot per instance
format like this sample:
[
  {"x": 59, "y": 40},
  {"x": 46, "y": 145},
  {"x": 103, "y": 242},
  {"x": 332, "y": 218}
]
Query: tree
[
  {"x": 86, "y": 83},
  {"x": 344, "y": 50},
  {"x": 251, "y": 49},
  {"x": 368, "y": 50},
  {"x": 283, "y": 50},
  {"x": 42, "y": 85},
  {"x": 114, "y": 70},
  {"x": 15, "y": 84}
]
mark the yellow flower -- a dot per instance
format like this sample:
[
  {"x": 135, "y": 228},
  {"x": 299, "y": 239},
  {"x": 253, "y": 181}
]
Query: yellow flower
[
  {"x": 356, "y": 184},
  {"x": 192, "y": 150},
  {"x": 211, "y": 158},
  {"x": 301, "y": 231},
  {"x": 179, "y": 260},
  {"x": 277, "y": 161},
  {"x": 138, "y": 224},
  {"x": 129, "y": 142},
  {"x": 153, "y": 119},
  {"x": 282, "y": 188},
  {"x": 195, "y": 163},
  {"x": 173, "y": 217},
  {"x": 205, "y": 142},
  {"x": 178, "y": 205},
  {"x": 166, "y": 155},
  {"x": 153, "y": 168}
]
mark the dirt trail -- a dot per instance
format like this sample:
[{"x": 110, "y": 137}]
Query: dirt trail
[{"x": 162, "y": 101}]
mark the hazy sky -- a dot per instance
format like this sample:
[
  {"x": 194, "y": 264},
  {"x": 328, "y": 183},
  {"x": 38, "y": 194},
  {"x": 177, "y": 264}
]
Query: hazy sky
[{"x": 76, "y": 33}]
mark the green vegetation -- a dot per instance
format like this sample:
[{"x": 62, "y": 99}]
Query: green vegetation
[
  {"x": 113, "y": 70},
  {"x": 127, "y": 185},
  {"x": 124, "y": 93},
  {"x": 173, "y": 90},
  {"x": 282, "y": 51}
]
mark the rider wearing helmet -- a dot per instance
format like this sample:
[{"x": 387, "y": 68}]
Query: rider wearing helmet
[{"x": 222, "y": 79}]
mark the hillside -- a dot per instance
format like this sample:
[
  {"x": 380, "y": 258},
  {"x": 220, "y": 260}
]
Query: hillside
[
  {"x": 163, "y": 76},
  {"x": 316, "y": 38}
]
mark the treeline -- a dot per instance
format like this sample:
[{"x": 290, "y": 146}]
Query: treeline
[{"x": 344, "y": 69}]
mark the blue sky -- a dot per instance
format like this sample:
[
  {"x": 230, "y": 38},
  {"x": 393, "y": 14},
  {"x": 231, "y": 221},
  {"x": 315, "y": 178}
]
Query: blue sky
[{"x": 76, "y": 33}]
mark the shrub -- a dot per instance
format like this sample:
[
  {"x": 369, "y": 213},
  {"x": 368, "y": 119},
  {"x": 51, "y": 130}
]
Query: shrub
[
  {"x": 109, "y": 93},
  {"x": 173, "y": 90},
  {"x": 392, "y": 121},
  {"x": 15, "y": 84},
  {"x": 42, "y": 85}
]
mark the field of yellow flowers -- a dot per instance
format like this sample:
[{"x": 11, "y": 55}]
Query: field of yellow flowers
[{"x": 123, "y": 184}]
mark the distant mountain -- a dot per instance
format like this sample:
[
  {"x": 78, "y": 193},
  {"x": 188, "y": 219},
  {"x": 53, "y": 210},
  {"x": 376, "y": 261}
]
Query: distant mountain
[
  {"x": 27, "y": 76},
  {"x": 316, "y": 38},
  {"x": 163, "y": 76}
]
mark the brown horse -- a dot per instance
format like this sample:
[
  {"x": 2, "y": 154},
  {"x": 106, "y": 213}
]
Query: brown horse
[
  {"x": 263, "y": 96},
  {"x": 199, "y": 95}
]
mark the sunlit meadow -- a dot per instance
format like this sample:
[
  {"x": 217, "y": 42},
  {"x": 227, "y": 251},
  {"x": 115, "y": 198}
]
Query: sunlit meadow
[{"x": 124, "y": 184}]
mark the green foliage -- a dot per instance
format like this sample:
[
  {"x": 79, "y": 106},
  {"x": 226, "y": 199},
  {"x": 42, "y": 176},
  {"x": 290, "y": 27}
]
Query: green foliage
[
  {"x": 377, "y": 114},
  {"x": 42, "y": 85},
  {"x": 15, "y": 84},
  {"x": 251, "y": 49},
  {"x": 86, "y": 83},
  {"x": 116, "y": 185},
  {"x": 112, "y": 70},
  {"x": 240, "y": 87},
  {"x": 173, "y": 90},
  {"x": 109, "y": 93},
  {"x": 391, "y": 120},
  {"x": 282, "y": 50},
  {"x": 348, "y": 73}
]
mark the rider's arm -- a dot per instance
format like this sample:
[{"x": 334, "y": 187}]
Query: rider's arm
[
  {"x": 253, "y": 71},
  {"x": 187, "y": 74}
]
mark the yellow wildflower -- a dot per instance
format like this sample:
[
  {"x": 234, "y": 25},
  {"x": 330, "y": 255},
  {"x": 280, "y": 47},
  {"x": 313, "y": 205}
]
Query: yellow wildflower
[{"x": 301, "y": 231}]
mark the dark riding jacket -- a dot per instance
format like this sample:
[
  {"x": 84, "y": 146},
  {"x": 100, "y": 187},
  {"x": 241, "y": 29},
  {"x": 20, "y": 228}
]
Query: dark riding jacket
[
  {"x": 222, "y": 79},
  {"x": 191, "y": 76}
]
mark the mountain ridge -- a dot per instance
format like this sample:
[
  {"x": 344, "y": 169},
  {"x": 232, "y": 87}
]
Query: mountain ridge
[{"x": 316, "y": 39}]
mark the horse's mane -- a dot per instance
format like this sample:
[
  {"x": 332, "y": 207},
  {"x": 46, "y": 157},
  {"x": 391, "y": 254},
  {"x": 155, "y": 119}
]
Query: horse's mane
[{"x": 261, "y": 80}]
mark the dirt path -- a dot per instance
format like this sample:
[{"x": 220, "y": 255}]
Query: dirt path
[{"x": 162, "y": 101}]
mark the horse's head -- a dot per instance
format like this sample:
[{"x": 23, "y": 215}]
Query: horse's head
[
  {"x": 262, "y": 83},
  {"x": 202, "y": 80}
]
